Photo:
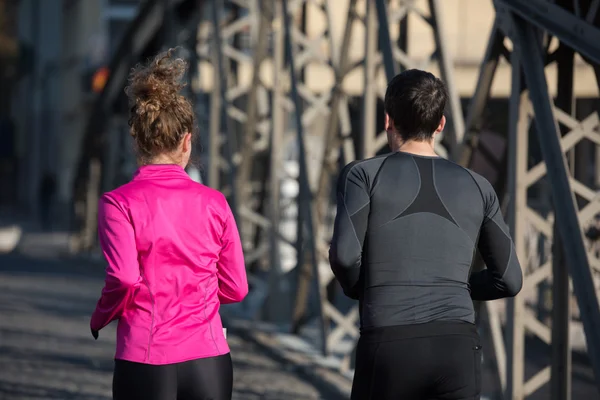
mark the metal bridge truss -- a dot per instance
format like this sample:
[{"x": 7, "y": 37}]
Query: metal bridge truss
[
  {"x": 281, "y": 120},
  {"x": 276, "y": 130},
  {"x": 570, "y": 267}
]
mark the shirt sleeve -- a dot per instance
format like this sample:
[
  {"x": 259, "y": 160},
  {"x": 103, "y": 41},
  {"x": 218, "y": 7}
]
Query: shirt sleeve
[
  {"x": 231, "y": 267},
  {"x": 117, "y": 241},
  {"x": 350, "y": 227},
  {"x": 503, "y": 276}
]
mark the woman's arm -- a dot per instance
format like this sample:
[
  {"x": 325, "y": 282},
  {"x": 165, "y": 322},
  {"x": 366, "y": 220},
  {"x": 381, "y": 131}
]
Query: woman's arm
[
  {"x": 231, "y": 268},
  {"x": 117, "y": 241}
]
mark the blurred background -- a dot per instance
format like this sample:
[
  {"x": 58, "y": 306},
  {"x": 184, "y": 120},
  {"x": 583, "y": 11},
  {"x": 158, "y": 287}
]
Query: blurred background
[{"x": 286, "y": 93}]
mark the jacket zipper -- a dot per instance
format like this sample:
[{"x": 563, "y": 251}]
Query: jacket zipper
[{"x": 152, "y": 318}]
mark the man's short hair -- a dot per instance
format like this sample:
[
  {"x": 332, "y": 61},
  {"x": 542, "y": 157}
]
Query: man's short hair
[{"x": 415, "y": 101}]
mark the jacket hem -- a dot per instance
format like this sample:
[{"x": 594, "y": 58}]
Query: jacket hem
[{"x": 142, "y": 360}]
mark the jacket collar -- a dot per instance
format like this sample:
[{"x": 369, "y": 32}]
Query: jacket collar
[{"x": 160, "y": 171}]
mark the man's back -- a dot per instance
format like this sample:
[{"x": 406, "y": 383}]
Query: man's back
[{"x": 413, "y": 223}]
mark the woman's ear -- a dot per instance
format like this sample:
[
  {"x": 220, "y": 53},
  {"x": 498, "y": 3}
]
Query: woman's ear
[{"x": 187, "y": 143}]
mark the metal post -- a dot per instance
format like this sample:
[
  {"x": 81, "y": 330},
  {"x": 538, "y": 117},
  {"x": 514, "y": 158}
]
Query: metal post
[
  {"x": 566, "y": 211},
  {"x": 561, "y": 294},
  {"x": 457, "y": 119},
  {"x": 230, "y": 145},
  {"x": 518, "y": 148},
  {"x": 369, "y": 117},
  {"x": 330, "y": 158},
  {"x": 390, "y": 65},
  {"x": 303, "y": 178},
  {"x": 35, "y": 128},
  {"x": 487, "y": 71},
  {"x": 276, "y": 160},
  {"x": 214, "y": 136},
  {"x": 260, "y": 54}
]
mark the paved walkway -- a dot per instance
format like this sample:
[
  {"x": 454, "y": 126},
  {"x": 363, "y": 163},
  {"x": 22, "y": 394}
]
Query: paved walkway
[{"x": 47, "y": 352}]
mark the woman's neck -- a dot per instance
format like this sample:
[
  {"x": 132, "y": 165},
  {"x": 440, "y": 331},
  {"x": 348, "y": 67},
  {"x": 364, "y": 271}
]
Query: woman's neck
[{"x": 166, "y": 160}]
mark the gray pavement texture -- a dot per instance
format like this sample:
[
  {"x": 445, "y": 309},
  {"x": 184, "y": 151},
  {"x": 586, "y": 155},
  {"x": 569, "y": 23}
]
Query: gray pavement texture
[{"x": 47, "y": 352}]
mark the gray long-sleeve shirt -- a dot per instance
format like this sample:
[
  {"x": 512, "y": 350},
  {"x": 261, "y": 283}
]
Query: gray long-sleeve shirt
[{"x": 406, "y": 231}]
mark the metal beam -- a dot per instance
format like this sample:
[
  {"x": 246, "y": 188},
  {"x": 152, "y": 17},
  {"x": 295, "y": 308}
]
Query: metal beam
[
  {"x": 579, "y": 34},
  {"x": 517, "y": 166},
  {"x": 457, "y": 120},
  {"x": 527, "y": 43},
  {"x": 305, "y": 196},
  {"x": 487, "y": 71},
  {"x": 390, "y": 65},
  {"x": 561, "y": 294},
  {"x": 331, "y": 153},
  {"x": 225, "y": 123}
]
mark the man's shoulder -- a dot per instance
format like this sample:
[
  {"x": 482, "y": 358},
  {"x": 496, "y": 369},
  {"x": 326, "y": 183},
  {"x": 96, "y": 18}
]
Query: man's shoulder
[
  {"x": 479, "y": 179},
  {"x": 482, "y": 182},
  {"x": 365, "y": 166}
]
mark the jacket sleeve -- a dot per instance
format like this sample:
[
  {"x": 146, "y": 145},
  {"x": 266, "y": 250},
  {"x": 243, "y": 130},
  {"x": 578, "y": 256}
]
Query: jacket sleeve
[
  {"x": 503, "y": 276},
  {"x": 231, "y": 268},
  {"x": 349, "y": 229},
  {"x": 117, "y": 240}
]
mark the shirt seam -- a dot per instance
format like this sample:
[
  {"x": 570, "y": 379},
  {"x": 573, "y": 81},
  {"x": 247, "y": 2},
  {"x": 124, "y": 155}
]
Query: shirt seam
[
  {"x": 356, "y": 163},
  {"x": 476, "y": 184},
  {"x": 510, "y": 250},
  {"x": 444, "y": 204},
  {"x": 412, "y": 201},
  {"x": 210, "y": 328},
  {"x": 375, "y": 178}
]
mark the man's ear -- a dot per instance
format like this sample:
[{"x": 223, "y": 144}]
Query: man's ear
[
  {"x": 442, "y": 124},
  {"x": 388, "y": 122}
]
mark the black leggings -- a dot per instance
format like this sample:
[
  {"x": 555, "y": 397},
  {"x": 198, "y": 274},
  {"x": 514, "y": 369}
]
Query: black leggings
[
  {"x": 419, "y": 362},
  {"x": 201, "y": 379}
]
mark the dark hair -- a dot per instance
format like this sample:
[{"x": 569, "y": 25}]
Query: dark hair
[
  {"x": 159, "y": 116},
  {"x": 415, "y": 101}
]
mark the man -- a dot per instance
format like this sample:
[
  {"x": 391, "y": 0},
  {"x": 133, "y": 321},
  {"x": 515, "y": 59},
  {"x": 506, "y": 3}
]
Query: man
[{"x": 406, "y": 230}]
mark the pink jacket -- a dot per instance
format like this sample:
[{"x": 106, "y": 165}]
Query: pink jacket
[{"x": 174, "y": 256}]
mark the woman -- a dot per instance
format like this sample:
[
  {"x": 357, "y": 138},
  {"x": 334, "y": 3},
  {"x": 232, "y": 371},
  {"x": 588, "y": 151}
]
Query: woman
[{"x": 173, "y": 252}]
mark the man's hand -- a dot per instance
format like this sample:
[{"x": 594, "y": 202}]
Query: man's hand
[{"x": 94, "y": 334}]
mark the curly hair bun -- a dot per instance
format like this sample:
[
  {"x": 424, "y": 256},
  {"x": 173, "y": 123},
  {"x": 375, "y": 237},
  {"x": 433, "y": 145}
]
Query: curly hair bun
[{"x": 160, "y": 116}]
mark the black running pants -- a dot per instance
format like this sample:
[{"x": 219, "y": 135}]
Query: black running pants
[
  {"x": 200, "y": 379},
  {"x": 433, "y": 361}
]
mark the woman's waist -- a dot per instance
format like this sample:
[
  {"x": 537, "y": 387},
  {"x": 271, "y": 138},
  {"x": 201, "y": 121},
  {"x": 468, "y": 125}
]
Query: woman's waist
[
  {"x": 172, "y": 345},
  {"x": 181, "y": 320}
]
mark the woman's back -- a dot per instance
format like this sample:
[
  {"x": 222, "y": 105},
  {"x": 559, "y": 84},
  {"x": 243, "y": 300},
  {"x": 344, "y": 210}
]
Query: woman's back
[
  {"x": 181, "y": 240},
  {"x": 173, "y": 253}
]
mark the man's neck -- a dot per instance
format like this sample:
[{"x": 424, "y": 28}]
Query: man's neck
[{"x": 424, "y": 148}]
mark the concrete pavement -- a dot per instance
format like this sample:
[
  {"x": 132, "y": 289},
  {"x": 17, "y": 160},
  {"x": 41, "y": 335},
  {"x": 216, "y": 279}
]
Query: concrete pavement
[{"x": 47, "y": 352}]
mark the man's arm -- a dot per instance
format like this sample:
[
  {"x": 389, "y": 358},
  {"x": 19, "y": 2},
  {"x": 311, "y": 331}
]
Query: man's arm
[
  {"x": 350, "y": 227},
  {"x": 503, "y": 276}
]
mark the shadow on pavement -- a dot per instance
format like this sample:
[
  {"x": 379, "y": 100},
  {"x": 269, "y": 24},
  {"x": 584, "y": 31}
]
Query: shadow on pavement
[
  {"x": 46, "y": 349},
  {"x": 47, "y": 352}
]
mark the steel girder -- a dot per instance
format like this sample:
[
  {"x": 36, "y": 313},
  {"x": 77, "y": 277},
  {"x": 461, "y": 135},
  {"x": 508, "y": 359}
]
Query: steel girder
[{"x": 523, "y": 22}]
